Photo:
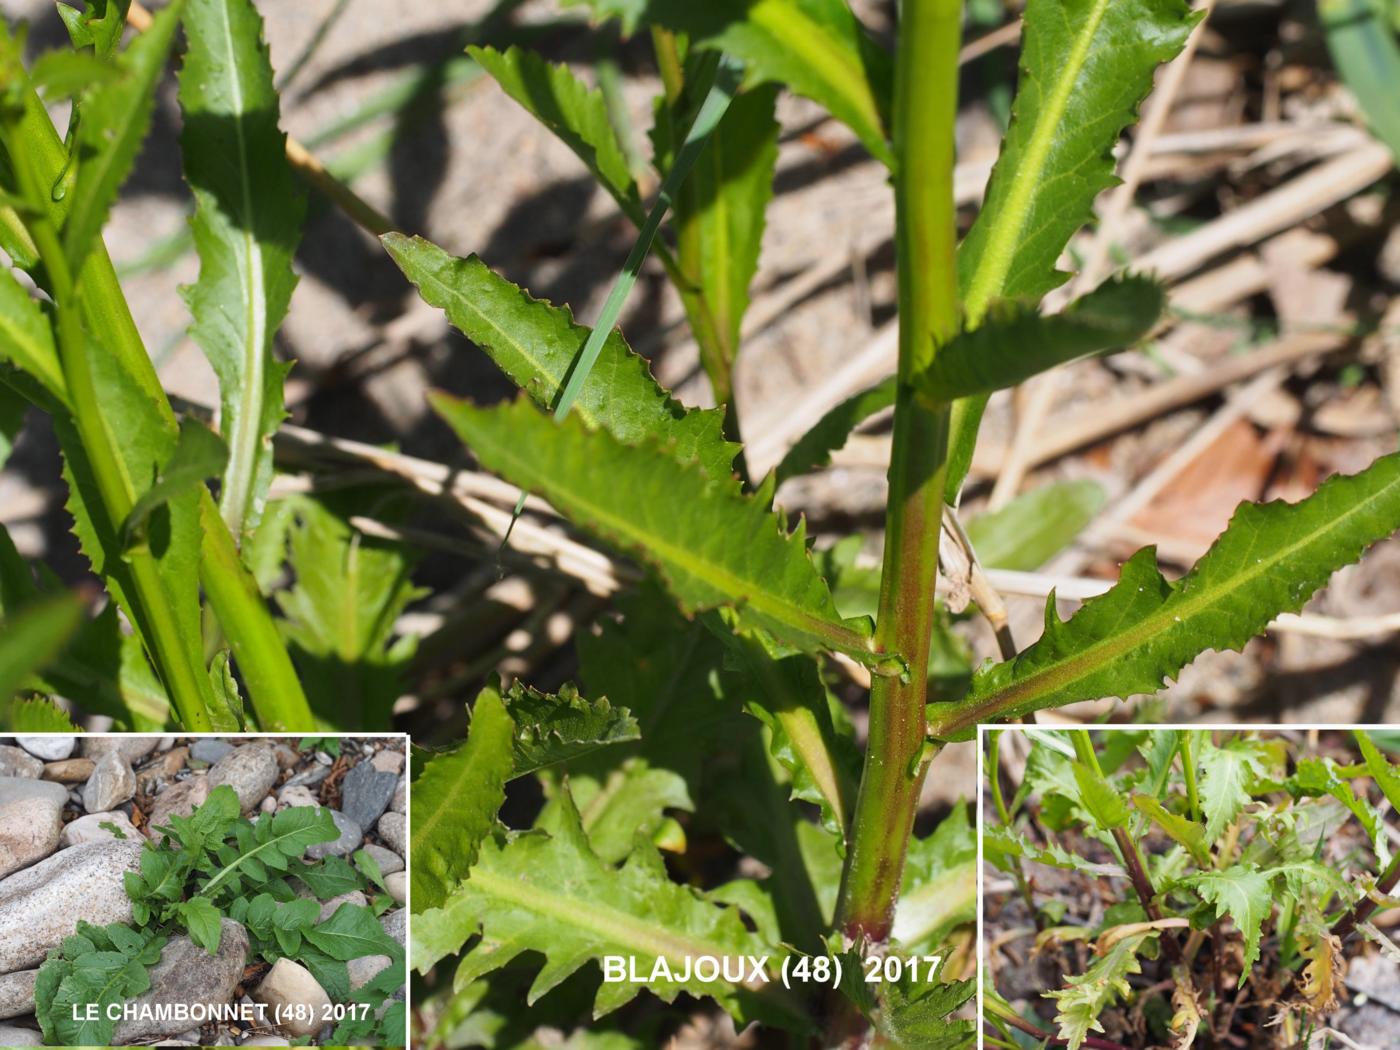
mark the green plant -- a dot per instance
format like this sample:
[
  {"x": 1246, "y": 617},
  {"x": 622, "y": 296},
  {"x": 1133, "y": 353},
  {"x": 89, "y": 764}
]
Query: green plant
[
  {"x": 1224, "y": 860},
  {"x": 666, "y": 486},
  {"x": 216, "y": 863}
]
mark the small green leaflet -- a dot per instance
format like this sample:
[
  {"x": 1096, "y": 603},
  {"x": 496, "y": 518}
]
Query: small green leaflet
[
  {"x": 113, "y": 123},
  {"x": 1270, "y": 559},
  {"x": 1013, "y": 342},
  {"x": 1226, "y": 773},
  {"x": 1001, "y": 844},
  {"x": 725, "y": 549},
  {"x": 1241, "y": 892},
  {"x": 247, "y": 221},
  {"x": 553, "y": 729},
  {"x": 549, "y": 893},
  {"x": 1182, "y": 830},
  {"x": 455, "y": 800},
  {"x": 1100, "y": 799},
  {"x": 536, "y": 344},
  {"x": 830, "y": 434},
  {"x": 1085, "y": 997},
  {"x": 199, "y": 455},
  {"x": 1379, "y": 767}
]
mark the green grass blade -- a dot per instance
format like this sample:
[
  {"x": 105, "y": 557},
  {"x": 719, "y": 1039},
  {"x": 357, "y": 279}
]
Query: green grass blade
[
  {"x": 1270, "y": 560},
  {"x": 247, "y": 221},
  {"x": 713, "y": 546}
]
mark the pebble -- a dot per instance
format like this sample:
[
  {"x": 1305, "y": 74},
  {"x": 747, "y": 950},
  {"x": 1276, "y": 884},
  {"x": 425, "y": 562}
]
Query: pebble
[
  {"x": 89, "y": 829},
  {"x": 49, "y": 748},
  {"x": 162, "y": 769},
  {"x": 268, "y": 805},
  {"x": 41, "y": 905},
  {"x": 13, "y": 1036},
  {"x": 350, "y": 838},
  {"x": 287, "y": 758},
  {"x": 31, "y": 818},
  {"x": 250, "y": 770},
  {"x": 324, "y": 758},
  {"x": 395, "y": 925},
  {"x": 366, "y": 793},
  {"x": 400, "y": 803},
  {"x": 188, "y": 974},
  {"x": 329, "y": 908},
  {"x": 296, "y": 795},
  {"x": 17, "y": 762},
  {"x": 177, "y": 800},
  {"x": 364, "y": 969},
  {"x": 388, "y": 861},
  {"x": 17, "y": 994},
  {"x": 133, "y": 748},
  {"x": 210, "y": 749},
  {"x": 397, "y": 885},
  {"x": 309, "y": 777},
  {"x": 388, "y": 761},
  {"x": 288, "y": 984},
  {"x": 69, "y": 770},
  {"x": 112, "y": 783},
  {"x": 391, "y": 830}
]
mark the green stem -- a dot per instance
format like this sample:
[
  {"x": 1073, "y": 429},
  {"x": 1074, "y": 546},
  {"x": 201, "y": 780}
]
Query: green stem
[
  {"x": 1188, "y": 767},
  {"x": 274, "y": 689},
  {"x": 185, "y": 679},
  {"x": 925, "y": 104}
]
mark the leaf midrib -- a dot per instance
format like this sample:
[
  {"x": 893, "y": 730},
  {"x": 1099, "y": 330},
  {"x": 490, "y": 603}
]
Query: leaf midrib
[
  {"x": 1170, "y": 612},
  {"x": 243, "y": 449},
  {"x": 741, "y": 591},
  {"x": 608, "y": 924},
  {"x": 1000, "y": 248}
]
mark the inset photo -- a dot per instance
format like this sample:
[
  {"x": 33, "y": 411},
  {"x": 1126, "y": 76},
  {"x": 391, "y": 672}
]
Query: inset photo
[
  {"x": 202, "y": 890},
  {"x": 1160, "y": 887}
]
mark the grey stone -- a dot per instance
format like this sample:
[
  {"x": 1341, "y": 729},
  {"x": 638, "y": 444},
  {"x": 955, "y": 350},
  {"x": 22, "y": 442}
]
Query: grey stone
[
  {"x": 400, "y": 803},
  {"x": 288, "y": 984},
  {"x": 131, "y": 747},
  {"x": 188, "y": 974},
  {"x": 309, "y": 777},
  {"x": 31, "y": 818},
  {"x": 90, "y": 829},
  {"x": 392, "y": 831},
  {"x": 69, "y": 770},
  {"x": 17, "y": 993},
  {"x": 388, "y": 861},
  {"x": 177, "y": 799},
  {"x": 209, "y": 749},
  {"x": 48, "y": 747},
  {"x": 323, "y": 758},
  {"x": 366, "y": 793},
  {"x": 365, "y": 969},
  {"x": 397, "y": 885},
  {"x": 13, "y": 1036},
  {"x": 41, "y": 905},
  {"x": 396, "y": 925},
  {"x": 287, "y": 757},
  {"x": 350, "y": 838},
  {"x": 112, "y": 783},
  {"x": 250, "y": 770},
  {"x": 329, "y": 907},
  {"x": 268, "y": 805},
  {"x": 161, "y": 770},
  {"x": 388, "y": 761},
  {"x": 17, "y": 762}
]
